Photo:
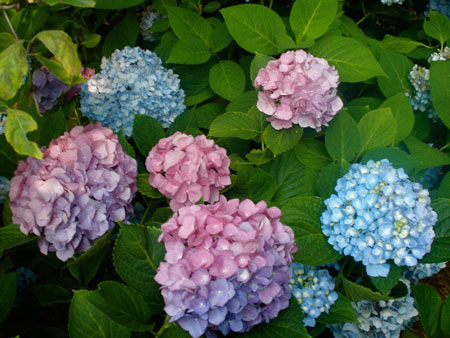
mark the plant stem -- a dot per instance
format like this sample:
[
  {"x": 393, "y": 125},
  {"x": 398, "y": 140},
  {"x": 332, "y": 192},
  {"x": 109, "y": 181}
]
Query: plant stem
[
  {"x": 11, "y": 27},
  {"x": 163, "y": 328}
]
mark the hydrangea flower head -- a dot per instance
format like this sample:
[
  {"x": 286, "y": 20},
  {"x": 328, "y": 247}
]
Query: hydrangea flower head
[
  {"x": 4, "y": 188},
  {"x": 441, "y": 6},
  {"x": 226, "y": 266},
  {"x": 378, "y": 214},
  {"x": 132, "y": 81},
  {"x": 421, "y": 271},
  {"x": 379, "y": 318},
  {"x": 47, "y": 89},
  {"x": 73, "y": 196},
  {"x": 391, "y": 2},
  {"x": 148, "y": 18},
  {"x": 420, "y": 98},
  {"x": 314, "y": 290},
  {"x": 298, "y": 88},
  {"x": 186, "y": 168}
]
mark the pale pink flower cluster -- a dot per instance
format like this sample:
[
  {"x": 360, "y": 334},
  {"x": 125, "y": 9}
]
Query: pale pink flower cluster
[
  {"x": 74, "y": 195},
  {"x": 298, "y": 88},
  {"x": 185, "y": 169}
]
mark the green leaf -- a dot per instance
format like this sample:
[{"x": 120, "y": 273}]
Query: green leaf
[
  {"x": 310, "y": 19},
  {"x": 85, "y": 267},
  {"x": 192, "y": 52},
  {"x": 199, "y": 98},
  {"x": 7, "y": 293},
  {"x": 175, "y": 331},
  {"x": 440, "y": 249},
  {"x": 340, "y": 312},
  {"x": 312, "y": 154},
  {"x": 6, "y": 39},
  {"x": 137, "y": 255},
  {"x": 444, "y": 188},
  {"x": 76, "y": 3},
  {"x": 60, "y": 44},
  {"x": 377, "y": 129},
  {"x": 116, "y": 4},
  {"x": 147, "y": 131},
  {"x": 289, "y": 323},
  {"x": 356, "y": 292},
  {"x": 445, "y": 317},
  {"x": 243, "y": 102},
  {"x": 342, "y": 138},
  {"x": 426, "y": 156},
  {"x": 255, "y": 28},
  {"x": 126, "y": 146},
  {"x": 328, "y": 178},
  {"x": 279, "y": 141},
  {"x": 145, "y": 188},
  {"x": 354, "y": 61},
  {"x": 252, "y": 183},
  {"x": 437, "y": 26},
  {"x": 400, "y": 44},
  {"x": 440, "y": 89},
  {"x": 258, "y": 62},
  {"x": 397, "y": 157},
  {"x": 429, "y": 305},
  {"x": 91, "y": 40},
  {"x": 124, "y": 33},
  {"x": 13, "y": 68},
  {"x": 396, "y": 67},
  {"x": 220, "y": 38},
  {"x": 403, "y": 115},
  {"x": 53, "y": 126},
  {"x": 18, "y": 124},
  {"x": 385, "y": 284},
  {"x": 234, "y": 124},
  {"x": 122, "y": 304},
  {"x": 189, "y": 26},
  {"x": 11, "y": 236},
  {"x": 259, "y": 157},
  {"x": 227, "y": 79},
  {"x": 50, "y": 294},
  {"x": 302, "y": 214},
  {"x": 291, "y": 177},
  {"x": 56, "y": 69},
  {"x": 86, "y": 320}
]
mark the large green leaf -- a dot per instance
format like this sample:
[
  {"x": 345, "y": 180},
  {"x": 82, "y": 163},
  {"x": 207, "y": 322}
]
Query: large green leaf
[
  {"x": 253, "y": 183},
  {"x": 60, "y": 44},
  {"x": 145, "y": 188},
  {"x": 444, "y": 189},
  {"x": 86, "y": 320},
  {"x": 426, "y": 156},
  {"x": 340, "y": 312},
  {"x": 445, "y": 317},
  {"x": 7, "y": 293},
  {"x": 124, "y": 33},
  {"x": 189, "y": 52},
  {"x": 302, "y": 214},
  {"x": 355, "y": 292},
  {"x": 310, "y": 19},
  {"x": 11, "y": 236},
  {"x": 116, "y": 4},
  {"x": 235, "y": 124},
  {"x": 403, "y": 115},
  {"x": 312, "y": 154},
  {"x": 255, "y": 28},
  {"x": 76, "y": 3},
  {"x": 354, "y": 61},
  {"x": 18, "y": 124},
  {"x": 385, "y": 284},
  {"x": 437, "y": 26},
  {"x": 279, "y": 141},
  {"x": 440, "y": 89},
  {"x": 400, "y": 44},
  {"x": 397, "y": 68},
  {"x": 342, "y": 138},
  {"x": 147, "y": 131},
  {"x": 13, "y": 68},
  {"x": 53, "y": 126},
  {"x": 377, "y": 129},
  {"x": 397, "y": 157},
  {"x": 429, "y": 305},
  {"x": 328, "y": 178},
  {"x": 227, "y": 79}
]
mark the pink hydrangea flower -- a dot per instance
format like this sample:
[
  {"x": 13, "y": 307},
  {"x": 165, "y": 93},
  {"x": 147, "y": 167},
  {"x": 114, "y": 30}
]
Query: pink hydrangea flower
[
  {"x": 73, "y": 196},
  {"x": 186, "y": 168},
  {"x": 298, "y": 88},
  {"x": 226, "y": 266}
]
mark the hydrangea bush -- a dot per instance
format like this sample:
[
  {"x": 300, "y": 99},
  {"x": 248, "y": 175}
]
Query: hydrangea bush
[{"x": 180, "y": 168}]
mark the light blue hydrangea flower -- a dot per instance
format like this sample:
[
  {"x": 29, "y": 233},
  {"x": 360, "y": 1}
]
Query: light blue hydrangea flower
[
  {"x": 421, "y": 271},
  {"x": 420, "y": 98},
  {"x": 441, "y": 6},
  {"x": 379, "y": 319},
  {"x": 133, "y": 81},
  {"x": 391, "y": 2},
  {"x": 4, "y": 188},
  {"x": 314, "y": 290},
  {"x": 148, "y": 18},
  {"x": 378, "y": 214}
]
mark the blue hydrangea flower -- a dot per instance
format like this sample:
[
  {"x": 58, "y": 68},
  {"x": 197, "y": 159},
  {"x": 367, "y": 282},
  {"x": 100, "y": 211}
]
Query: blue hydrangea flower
[
  {"x": 441, "y": 6},
  {"x": 391, "y": 2},
  {"x": 379, "y": 319},
  {"x": 2, "y": 124},
  {"x": 421, "y": 271},
  {"x": 378, "y": 214},
  {"x": 314, "y": 290},
  {"x": 420, "y": 98},
  {"x": 4, "y": 188},
  {"x": 148, "y": 18},
  {"x": 24, "y": 278},
  {"x": 133, "y": 81}
]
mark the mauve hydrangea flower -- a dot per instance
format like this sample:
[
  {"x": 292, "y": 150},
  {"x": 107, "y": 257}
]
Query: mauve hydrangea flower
[
  {"x": 226, "y": 267},
  {"x": 132, "y": 81},
  {"x": 186, "y": 168},
  {"x": 314, "y": 290},
  {"x": 298, "y": 88},
  {"x": 378, "y": 214},
  {"x": 73, "y": 196},
  {"x": 4, "y": 188},
  {"x": 379, "y": 319},
  {"x": 421, "y": 271}
]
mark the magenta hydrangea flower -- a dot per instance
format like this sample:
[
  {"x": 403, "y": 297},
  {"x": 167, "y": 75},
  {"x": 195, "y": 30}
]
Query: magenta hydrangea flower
[
  {"x": 186, "y": 168},
  {"x": 298, "y": 88},
  {"x": 73, "y": 196},
  {"x": 226, "y": 266}
]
